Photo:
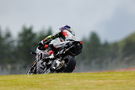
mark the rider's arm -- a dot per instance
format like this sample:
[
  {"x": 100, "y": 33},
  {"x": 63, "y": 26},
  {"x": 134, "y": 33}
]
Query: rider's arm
[
  {"x": 64, "y": 34},
  {"x": 45, "y": 42}
]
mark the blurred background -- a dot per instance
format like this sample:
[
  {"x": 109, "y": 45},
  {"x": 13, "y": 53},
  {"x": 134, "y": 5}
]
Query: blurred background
[{"x": 107, "y": 28}]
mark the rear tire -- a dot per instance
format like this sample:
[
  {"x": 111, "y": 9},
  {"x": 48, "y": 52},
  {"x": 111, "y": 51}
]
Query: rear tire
[{"x": 70, "y": 65}]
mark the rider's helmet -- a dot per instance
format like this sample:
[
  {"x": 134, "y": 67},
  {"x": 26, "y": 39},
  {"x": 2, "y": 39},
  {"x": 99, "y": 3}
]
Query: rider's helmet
[{"x": 67, "y": 27}]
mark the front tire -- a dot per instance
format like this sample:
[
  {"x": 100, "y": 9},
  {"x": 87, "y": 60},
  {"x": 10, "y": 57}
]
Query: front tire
[{"x": 32, "y": 69}]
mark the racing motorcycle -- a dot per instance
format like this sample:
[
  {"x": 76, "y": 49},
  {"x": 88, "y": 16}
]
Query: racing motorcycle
[{"x": 63, "y": 61}]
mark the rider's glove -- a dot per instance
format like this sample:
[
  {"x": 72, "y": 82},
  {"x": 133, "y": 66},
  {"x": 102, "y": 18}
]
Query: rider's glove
[{"x": 40, "y": 46}]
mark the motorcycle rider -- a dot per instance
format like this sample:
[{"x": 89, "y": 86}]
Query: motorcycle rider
[
  {"x": 55, "y": 42},
  {"x": 58, "y": 40}
]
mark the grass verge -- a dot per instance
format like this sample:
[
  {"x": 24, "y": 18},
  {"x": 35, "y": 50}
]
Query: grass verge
[{"x": 70, "y": 81}]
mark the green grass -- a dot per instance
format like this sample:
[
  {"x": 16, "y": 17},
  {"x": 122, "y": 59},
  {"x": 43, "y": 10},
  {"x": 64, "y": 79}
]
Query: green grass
[{"x": 71, "y": 81}]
